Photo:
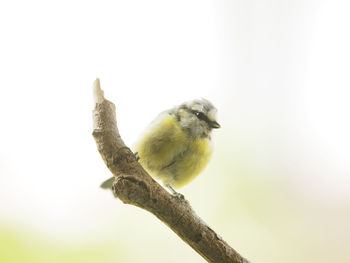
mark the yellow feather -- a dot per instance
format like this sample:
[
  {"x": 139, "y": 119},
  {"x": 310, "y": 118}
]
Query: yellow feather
[{"x": 169, "y": 153}]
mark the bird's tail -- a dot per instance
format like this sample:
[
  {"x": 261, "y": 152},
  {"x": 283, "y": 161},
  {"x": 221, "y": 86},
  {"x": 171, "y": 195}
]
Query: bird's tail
[{"x": 108, "y": 183}]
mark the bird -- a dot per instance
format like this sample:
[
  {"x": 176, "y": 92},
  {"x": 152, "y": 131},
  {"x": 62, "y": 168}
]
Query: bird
[{"x": 177, "y": 145}]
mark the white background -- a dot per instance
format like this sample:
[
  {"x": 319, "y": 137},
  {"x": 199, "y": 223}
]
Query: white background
[{"x": 278, "y": 72}]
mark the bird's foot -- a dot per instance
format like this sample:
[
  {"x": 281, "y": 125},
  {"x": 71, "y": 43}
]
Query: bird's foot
[{"x": 181, "y": 197}]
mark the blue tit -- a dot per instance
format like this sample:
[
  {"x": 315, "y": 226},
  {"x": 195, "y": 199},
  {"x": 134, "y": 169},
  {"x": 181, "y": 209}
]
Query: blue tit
[{"x": 177, "y": 145}]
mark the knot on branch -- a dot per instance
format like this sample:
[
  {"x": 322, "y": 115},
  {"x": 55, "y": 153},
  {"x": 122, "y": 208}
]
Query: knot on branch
[{"x": 131, "y": 190}]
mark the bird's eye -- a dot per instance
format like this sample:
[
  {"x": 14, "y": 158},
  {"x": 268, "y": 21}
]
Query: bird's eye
[{"x": 200, "y": 115}]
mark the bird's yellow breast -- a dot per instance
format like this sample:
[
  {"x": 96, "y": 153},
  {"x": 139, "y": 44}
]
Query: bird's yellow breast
[{"x": 169, "y": 153}]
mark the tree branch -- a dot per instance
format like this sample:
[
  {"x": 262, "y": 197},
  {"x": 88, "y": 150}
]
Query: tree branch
[{"x": 134, "y": 186}]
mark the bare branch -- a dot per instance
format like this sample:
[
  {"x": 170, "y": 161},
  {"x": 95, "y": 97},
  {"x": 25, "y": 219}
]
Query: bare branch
[{"x": 134, "y": 186}]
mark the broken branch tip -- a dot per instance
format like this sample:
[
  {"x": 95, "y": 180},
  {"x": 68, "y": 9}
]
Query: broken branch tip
[{"x": 98, "y": 92}]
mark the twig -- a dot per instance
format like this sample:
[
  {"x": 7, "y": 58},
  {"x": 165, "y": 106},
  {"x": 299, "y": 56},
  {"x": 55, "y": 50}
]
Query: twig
[{"x": 134, "y": 186}]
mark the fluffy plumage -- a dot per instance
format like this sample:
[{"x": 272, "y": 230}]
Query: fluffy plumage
[{"x": 177, "y": 145}]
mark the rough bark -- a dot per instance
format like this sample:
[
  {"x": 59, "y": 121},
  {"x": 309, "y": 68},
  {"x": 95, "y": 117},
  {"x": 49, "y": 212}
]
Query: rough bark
[{"x": 134, "y": 186}]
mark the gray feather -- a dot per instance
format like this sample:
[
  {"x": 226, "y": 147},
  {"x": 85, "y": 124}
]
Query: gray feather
[{"x": 108, "y": 183}]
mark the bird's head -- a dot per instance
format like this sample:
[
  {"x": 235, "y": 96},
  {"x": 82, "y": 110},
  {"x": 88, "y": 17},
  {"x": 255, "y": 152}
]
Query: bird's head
[{"x": 198, "y": 117}]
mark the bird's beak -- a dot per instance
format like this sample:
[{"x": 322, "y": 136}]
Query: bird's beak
[{"x": 214, "y": 125}]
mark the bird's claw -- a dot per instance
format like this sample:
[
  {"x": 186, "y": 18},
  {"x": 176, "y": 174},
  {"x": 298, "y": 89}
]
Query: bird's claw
[{"x": 179, "y": 196}]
